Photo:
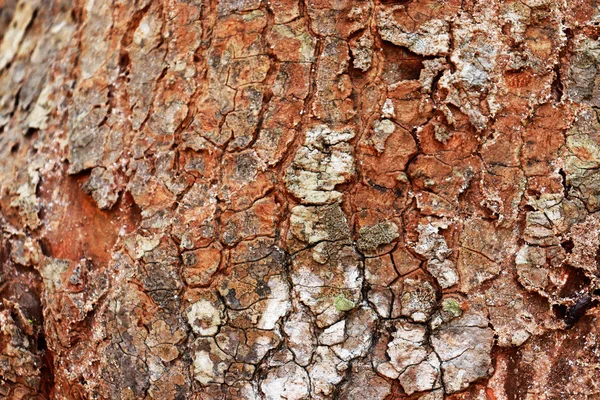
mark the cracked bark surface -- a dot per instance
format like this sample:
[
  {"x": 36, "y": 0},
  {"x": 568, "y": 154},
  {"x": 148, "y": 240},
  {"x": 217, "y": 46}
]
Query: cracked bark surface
[{"x": 299, "y": 199}]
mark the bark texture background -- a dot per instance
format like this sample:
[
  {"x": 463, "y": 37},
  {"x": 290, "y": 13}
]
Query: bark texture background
[{"x": 294, "y": 199}]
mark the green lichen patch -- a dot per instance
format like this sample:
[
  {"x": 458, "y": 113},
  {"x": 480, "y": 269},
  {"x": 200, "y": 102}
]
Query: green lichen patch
[
  {"x": 343, "y": 304},
  {"x": 452, "y": 307}
]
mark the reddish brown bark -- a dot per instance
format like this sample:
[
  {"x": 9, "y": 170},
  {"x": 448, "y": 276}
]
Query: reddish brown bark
[{"x": 247, "y": 199}]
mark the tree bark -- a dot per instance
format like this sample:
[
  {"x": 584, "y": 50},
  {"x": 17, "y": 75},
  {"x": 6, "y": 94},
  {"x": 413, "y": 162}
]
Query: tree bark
[{"x": 294, "y": 199}]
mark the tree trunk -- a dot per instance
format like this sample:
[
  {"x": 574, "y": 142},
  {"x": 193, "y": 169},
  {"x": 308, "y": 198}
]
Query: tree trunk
[{"x": 294, "y": 199}]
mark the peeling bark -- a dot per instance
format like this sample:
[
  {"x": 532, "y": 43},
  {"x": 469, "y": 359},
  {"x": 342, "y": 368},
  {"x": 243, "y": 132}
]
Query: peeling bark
[{"x": 248, "y": 199}]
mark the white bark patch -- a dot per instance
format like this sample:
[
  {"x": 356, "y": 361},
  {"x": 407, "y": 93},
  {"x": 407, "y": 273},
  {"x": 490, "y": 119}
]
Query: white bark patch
[
  {"x": 289, "y": 382},
  {"x": 412, "y": 361},
  {"x": 334, "y": 334},
  {"x": 430, "y": 39},
  {"x": 464, "y": 346},
  {"x": 204, "y": 318},
  {"x": 278, "y": 303},
  {"x": 325, "y": 161},
  {"x": 203, "y": 367},
  {"x": 433, "y": 246}
]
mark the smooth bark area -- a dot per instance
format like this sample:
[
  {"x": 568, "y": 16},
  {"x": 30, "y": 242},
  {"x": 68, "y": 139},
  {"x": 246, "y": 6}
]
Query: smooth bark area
[{"x": 299, "y": 199}]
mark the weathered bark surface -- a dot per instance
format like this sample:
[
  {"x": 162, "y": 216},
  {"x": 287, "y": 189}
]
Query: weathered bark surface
[{"x": 295, "y": 199}]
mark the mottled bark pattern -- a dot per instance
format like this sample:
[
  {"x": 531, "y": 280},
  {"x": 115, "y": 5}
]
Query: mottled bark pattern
[{"x": 299, "y": 199}]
